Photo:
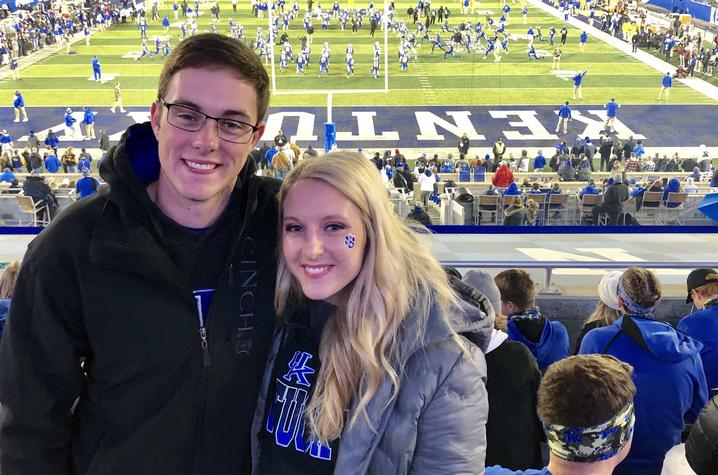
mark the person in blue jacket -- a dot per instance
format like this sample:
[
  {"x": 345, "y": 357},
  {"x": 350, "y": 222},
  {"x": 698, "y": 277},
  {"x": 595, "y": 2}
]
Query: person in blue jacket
[
  {"x": 666, "y": 84},
  {"x": 589, "y": 189},
  {"x": 564, "y": 117},
  {"x": 539, "y": 162},
  {"x": 703, "y": 324},
  {"x": 668, "y": 373},
  {"x": 88, "y": 120},
  {"x": 674, "y": 186},
  {"x": 87, "y": 185},
  {"x": 52, "y": 163},
  {"x": 7, "y": 176},
  {"x": 582, "y": 40},
  {"x": 52, "y": 140},
  {"x": 96, "y": 68},
  {"x": 586, "y": 405},
  {"x": 577, "y": 80},
  {"x": 611, "y": 113},
  {"x": 72, "y": 128},
  {"x": 547, "y": 340},
  {"x": 19, "y": 105}
]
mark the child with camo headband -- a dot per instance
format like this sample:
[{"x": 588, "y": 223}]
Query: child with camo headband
[{"x": 586, "y": 406}]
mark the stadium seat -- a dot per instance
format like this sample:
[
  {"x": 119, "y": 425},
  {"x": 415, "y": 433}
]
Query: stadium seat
[
  {"x": 28, "y": 206},
  {"x": 650, "y": 207},
  {"x": 586, "y": 205},
  {"x": 488, "y": 204},
  {"x": 557, "y": 203},
  {"x": 673, "y": 207}
]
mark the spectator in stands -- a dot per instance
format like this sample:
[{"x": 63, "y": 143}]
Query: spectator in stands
[
  {"x": 632, "y": 164},
  {"x": 647, "y": 164},
  {"x": 35, "y": 187},
  {"x": 566, "y": 170},
  {"x": 156, "y": 245},
  {"x": 516, "y": 214},
  {"x": 689, "y": 186},
  {"x": 604, "y": 150},
  {"x": 702, "y": 443},
  {"x": 403, "y": 178},
  {"x": 586, "y": 404},
  {"x": 406, "y": 365},
  {"x": 310, "y": 153},
  {"x": 689, "y": 165},
  {"x": 512, "y": 190},
  {"x": 696, "y": 175},
  {"x": 7, "y": 176},
  {"x": 281, "y": 164},
  {"x": 5, "y": 161},
  {"x": 703, "y": 324},
  {"x": 87, "y": 185},
  {"x": 714, "y": 180},
  {"x": 503, "y": 176},
  {"x": 419, "y": 214},
  {"x": 539, "y": 162},
  {"x": 35, "y": 160},
  {"x": 52, "y": 141},
  {"x": 69, "y": 161},
  {"x": 607, "y": 310},
  {"x": 667, "y": 363},
  {"x": 427, "y": 180},
  {"x": 589, "y": 189},
  {"x": 547, "y": 340},
  {"x": 584, "y": 170},
  {"x": 613, "y": 200},
  {"x": 513, "y": 431},
  {"x": 7, "y": 287},
  {"x": 52, "y": 163},
  {"x": 674, "y": 186}
]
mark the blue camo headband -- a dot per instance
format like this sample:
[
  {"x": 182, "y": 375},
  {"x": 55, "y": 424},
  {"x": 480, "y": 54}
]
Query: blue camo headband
[{"x": 632, "y": 306}]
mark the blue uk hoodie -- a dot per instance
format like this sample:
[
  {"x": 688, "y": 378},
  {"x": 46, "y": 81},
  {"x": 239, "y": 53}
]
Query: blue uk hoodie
[
  {"x": 551, "y": 346},
  {"x": 671, "y": 386},
  {"x": 703, "y": 326},
  {"x": 674, "y": 186},
  {"x": 513, "y": 189}
]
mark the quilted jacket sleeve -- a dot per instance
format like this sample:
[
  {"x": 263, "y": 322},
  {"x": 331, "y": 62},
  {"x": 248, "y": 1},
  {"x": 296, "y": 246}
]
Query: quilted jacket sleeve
[{"x": 451, "y": 431}]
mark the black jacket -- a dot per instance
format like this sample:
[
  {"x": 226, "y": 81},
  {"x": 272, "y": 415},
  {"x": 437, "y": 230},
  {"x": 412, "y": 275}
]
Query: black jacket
[
  {"x": 701, "y": 451},
  {"x": 614, "y": 197},
  {"x": 98, "y": 286}
]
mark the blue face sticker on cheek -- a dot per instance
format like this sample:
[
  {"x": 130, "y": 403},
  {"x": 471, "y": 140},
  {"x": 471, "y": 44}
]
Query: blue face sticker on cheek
[{"x": 350, "y": 240}]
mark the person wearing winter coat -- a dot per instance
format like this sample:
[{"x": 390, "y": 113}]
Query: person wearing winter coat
[
  {"x": 139, "y": 344},
  {"x": 513, "y": 430},
  {"x": 372, "y": 370},
  {"x": 667, "y": 364},
  {"x": 702, "y": 442},
  {"x": 674, "y": 186},
  {"x": 547, "y": 340},
  {"x": 503, "y": 176},
  {"x": 703, "y": 323}
]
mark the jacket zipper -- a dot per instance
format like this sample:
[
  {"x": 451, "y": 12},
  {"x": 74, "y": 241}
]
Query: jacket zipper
[{"x": 204, "y": 344}]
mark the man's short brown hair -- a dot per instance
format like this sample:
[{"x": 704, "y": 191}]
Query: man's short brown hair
[
  {"x": 517, "y": 287},
  {"x": 210, "y": 50},
  {"x": 584, "y": 390}
]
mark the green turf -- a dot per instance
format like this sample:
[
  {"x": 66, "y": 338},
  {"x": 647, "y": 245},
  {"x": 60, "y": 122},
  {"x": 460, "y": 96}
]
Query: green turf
[{"x": 62, "y": 79}]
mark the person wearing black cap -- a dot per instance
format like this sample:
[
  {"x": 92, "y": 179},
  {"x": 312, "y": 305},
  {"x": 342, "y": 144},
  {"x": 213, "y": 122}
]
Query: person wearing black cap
[{"x": 703, "y": 325}]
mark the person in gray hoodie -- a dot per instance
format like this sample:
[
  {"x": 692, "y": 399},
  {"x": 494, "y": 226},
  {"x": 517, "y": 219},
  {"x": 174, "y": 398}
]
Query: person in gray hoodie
[{"x": 377, "y": 366}]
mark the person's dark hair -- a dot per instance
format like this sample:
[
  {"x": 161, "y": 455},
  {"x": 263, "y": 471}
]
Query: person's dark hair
[
  {"x": 210, "y": 50},
  {"x": 641, "y": 286},
  {"x": 584, "y": 390},
  {"x": 516, "y": 286}
]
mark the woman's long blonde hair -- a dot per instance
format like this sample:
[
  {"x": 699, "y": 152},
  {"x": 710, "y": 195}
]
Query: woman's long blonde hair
[
  {"x": 8, "y": 279},
  {"x": 604, "y": 314},
  {"x": 359, "y": 345}
]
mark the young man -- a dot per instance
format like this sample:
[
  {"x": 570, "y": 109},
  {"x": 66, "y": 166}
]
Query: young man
[
  {"x": 666, "y": 84},
  {"x": 577, "y": 80},
  {"x": 703, "y": 324},
  {"x": 148, "y": 353},
  {"x": 611, "y": 113},
  {"x": 118, "y": 99},
  {"x": 586, "y": 406},
  {"x": 564, "y": 117},
  {"x": 19, "y": 105},
  {"x": 547, "y": 340}
]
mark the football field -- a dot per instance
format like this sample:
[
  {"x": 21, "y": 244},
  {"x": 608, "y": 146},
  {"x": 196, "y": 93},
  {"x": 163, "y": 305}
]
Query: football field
[
  {"x": 425, "y": 107},
  {"x": 469, "y": 80}
]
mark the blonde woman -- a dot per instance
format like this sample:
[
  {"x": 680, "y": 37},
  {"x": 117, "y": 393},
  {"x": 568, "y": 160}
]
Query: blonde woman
[
  {"x": 607, "y": 310},
  {"x": 368, "y": 373},
  {"x": 7, "y": 287}
]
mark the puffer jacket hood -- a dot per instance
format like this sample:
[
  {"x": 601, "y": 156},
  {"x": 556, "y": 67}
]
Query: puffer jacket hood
[
  {"x": 663, "y": 342},
  {"x": 513, "y": 189},
  {"x": 474, "y": 317}
]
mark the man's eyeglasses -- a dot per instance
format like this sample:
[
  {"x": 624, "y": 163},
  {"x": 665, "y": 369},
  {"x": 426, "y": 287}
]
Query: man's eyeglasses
[{"x": 192, "y": 120}]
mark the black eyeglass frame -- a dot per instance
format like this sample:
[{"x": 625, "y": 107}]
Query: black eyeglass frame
[{"x": 169, "y": 105}]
